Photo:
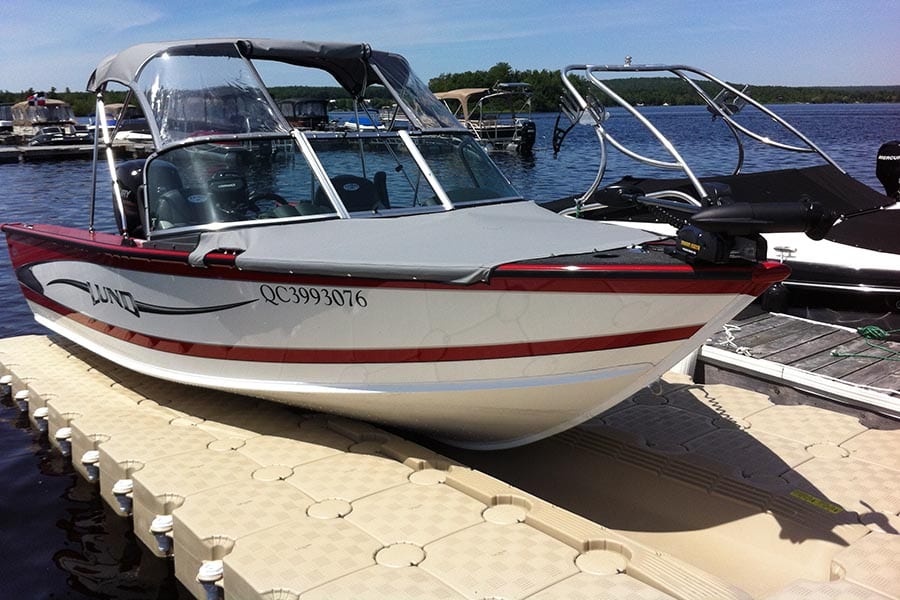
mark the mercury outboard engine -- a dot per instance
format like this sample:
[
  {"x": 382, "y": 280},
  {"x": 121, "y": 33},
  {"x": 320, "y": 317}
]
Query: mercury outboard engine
[{"x": 887, "y": 168}]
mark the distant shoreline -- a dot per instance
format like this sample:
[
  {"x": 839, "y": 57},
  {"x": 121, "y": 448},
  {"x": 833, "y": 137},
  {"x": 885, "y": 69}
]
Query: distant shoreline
[{"x": 656, "y": 91}]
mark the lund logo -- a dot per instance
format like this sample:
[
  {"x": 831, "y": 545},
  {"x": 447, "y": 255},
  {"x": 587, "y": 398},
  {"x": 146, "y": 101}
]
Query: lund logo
[
  {"x": 101, "y": 294},
  {"x": 107, "y": 295}
]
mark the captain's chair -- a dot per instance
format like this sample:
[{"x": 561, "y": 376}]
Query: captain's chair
[
  {"x": 170, "y": 203},
  {"x": 358, "y": 193}
]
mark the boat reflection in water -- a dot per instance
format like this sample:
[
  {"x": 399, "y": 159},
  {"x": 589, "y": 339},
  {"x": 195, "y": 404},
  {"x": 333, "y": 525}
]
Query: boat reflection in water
[{"x": 389, "y": 275}]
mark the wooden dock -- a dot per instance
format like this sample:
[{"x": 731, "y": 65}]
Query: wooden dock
[
  {"x": 683, "y": 491},
  {"x": 17, "y": 154},
  {"x": 769, "y": 351}
]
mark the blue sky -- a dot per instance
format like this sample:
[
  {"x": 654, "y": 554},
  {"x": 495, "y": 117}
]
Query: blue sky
[{"x": 778, "y": 42}]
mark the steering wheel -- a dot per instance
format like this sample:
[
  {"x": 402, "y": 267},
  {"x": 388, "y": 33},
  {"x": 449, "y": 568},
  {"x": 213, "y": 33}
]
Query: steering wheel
[
  {"x": 268, "y": 204},
  {"x": 257, "y": 197}
]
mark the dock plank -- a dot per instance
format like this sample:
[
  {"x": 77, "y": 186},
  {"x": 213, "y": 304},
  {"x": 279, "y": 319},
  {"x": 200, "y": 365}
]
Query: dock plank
[
  {"x": 766, "y": 324},
  {"x": 838, "y": 364},
  {"x": 809, "y": 348},
  {"x": 890, "y": 383},
  {"x": 881, "y": 368},
  {"x": 875, "y": 372},
  {"x": 777, "y": 338},
  {"x": 822, "y": 359},
  {"x": 739, "y": 330}
]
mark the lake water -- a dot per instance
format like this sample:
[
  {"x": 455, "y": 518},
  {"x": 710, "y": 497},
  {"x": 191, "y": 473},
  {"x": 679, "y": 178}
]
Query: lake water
[{"x": 58, "y": 538}]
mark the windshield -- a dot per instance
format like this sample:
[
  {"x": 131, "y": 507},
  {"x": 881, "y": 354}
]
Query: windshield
[
  {"x": 192, "y": 96},
  {"x": 204, "y": 184},
  {"x": 232, "y": 150},
  {"x": 418, "y": 101}
]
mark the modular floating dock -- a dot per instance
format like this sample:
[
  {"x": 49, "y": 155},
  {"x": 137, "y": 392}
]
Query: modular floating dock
[{"x": 683, "y": 491}]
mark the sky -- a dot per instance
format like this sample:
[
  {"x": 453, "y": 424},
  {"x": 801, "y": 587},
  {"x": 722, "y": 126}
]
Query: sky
[{"x": 759, "y": 42}]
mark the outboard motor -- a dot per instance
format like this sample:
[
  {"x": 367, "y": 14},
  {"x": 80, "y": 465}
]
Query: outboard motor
[{"x": 887, "y": 168}]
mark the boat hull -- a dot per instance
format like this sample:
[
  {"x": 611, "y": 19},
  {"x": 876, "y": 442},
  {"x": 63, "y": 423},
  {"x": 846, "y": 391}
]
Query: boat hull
[
  {"x": 831, "y": 274},
  {"x": 535, "y": 350}
]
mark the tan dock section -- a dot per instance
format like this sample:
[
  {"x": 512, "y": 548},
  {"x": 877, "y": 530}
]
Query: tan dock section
[{"x": 683, "y": 491}]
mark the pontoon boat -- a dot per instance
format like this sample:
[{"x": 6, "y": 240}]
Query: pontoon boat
[{"x": 499, "y": 116}]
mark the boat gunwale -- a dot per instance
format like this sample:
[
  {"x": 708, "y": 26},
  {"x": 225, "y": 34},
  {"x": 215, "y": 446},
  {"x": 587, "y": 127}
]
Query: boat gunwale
[{"x": 549, "y": 274}]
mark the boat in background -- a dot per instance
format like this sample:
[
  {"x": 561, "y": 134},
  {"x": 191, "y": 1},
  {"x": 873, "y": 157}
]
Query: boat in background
[
  {"x": 6, "y": 120},
  {"x": 393, "y": 276},
  {"x": 499, "y": 116},
  {"x": 42, "y": 121},
  {"x": 853, "y": 265},
  {"x": 305, "y": 113}
]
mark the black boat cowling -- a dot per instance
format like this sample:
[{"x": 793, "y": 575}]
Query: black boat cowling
[{"x": 887, "y": 168}]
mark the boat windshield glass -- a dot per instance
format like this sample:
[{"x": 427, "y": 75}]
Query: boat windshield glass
[
  {"x": 193, "y": 96},
  {"x": 378, "y": 173},
  {"x": 415, "y": 95},
  {"x": 224, "y": 182},
  {"x": 205, "y": 184},
  {"x": 226, "y": 153}
]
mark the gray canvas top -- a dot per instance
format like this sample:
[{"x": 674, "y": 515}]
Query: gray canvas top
[
  {"x": 348, "y": 63},
  {"x": 460, "y": 246}
]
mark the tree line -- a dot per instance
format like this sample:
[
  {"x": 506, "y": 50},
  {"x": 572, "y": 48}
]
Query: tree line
[{"x": 546, "y": 88}]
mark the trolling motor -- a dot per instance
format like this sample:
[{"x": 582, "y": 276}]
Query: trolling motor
[
  {"x": 887, "y": 168},
  {"x": 724, "y": 229}
]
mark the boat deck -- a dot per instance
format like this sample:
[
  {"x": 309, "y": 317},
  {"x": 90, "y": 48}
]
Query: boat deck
[
  {"x": 828, "y": 361},
  {"x": 682, "y": 491}
]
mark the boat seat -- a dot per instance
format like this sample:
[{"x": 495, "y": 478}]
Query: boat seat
[
  {"x": 171, "y": 205},
  {"x": 358, "y": 193},
  {"x": 130, "y": 176},
  {"x": 172, "y": 210},
  {"x": 380, "y": 180}
]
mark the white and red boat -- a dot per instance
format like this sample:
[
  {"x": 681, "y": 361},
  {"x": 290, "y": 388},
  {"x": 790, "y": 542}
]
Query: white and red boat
[{"x": 394, "y": 276}]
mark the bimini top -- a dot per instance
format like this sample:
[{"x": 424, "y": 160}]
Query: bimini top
[
  {"x": 468, "y": 98},
  {"x": 348, "y": 63},
  {"x": 160, "y": 72}
]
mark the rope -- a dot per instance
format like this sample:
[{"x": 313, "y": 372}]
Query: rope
[
  {"x": 729, "y": 330},
  {"x": 873, "y": 332}
]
